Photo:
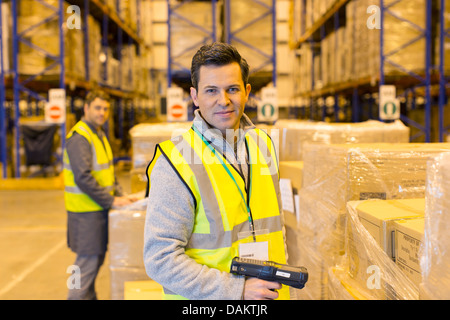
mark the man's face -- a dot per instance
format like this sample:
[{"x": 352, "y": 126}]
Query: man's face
[
  {"x": 221, "y": 95},
  {"x": 97, "y": 112}
]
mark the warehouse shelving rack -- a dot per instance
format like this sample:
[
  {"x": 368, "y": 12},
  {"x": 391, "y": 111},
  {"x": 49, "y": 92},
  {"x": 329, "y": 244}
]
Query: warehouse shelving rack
[
  {"x": 210, "y": 35},
  {"x": 34, "y": 85},
  {"x": 359, "y": 93},
  {"x": 310, "y": 35},
  {"x": 25, "y": 83},
  {"x": 232, "y": 34},
  {"x": 181, "y": 73},
  {"x": 424, "y": 80}
]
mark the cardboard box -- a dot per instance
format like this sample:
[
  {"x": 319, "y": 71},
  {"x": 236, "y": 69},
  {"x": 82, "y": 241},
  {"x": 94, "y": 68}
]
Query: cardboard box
[
  {"x": 408, "y": 239},
  {"x": 367, "y": 263},
  {"x": 292, "y": 170},
  {"x": 379, "y": 218},
  {"x": 142, "y": 290}
]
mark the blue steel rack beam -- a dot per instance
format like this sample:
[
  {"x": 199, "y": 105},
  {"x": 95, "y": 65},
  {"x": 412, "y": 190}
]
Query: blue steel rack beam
[
  {"x": 231, "y": 35},
  {"x": 173, "y": 14},
  {"x": 424, "y": 81},
  {"x": 19, "y": 86}
]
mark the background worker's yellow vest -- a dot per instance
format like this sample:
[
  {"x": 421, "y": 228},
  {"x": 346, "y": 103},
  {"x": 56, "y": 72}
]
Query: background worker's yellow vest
[
  {"x": 102, "y": 170},
  {"x": 221, "y": 214}
]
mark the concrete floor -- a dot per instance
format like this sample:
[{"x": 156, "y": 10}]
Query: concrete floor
[{"x": 33, "y": 247}]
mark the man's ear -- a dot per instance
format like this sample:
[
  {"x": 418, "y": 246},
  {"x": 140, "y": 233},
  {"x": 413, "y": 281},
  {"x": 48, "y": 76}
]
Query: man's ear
[
  {"x": 248, "y": 88},
  {"x": 194, "y": 96}
]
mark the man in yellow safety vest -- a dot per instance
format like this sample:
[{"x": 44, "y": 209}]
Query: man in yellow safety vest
[
  {"x": 90, "y": 191},
  {"x": 214, "y": 191}
]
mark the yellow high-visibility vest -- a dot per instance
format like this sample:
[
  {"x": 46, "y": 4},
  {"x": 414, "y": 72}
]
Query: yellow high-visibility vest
[
  {"x": 102, "y": 170},
  {"x": 220, "y": 211}
]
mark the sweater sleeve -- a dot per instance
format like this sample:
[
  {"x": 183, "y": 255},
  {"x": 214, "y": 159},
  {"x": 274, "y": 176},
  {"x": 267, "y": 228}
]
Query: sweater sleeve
[
  {"x": 80, "y": 156},
  {"x": 168, "y": 227}
]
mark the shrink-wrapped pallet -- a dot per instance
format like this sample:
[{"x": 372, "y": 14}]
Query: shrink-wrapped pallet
[
  {"x": 368, "y": 268},
  {"x": 336, "y": 174},
  {"x": 293, "y": 134},
  {"x": 126, "y": 246},
  {"x": 435, "y": 259}
]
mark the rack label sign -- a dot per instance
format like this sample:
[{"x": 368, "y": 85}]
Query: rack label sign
[
  {"x": 389, "y": 108},
  {"x": 176, "y": 106},
  {"x": 55, "y": 109},
  {"x": 268, "y": 106}
]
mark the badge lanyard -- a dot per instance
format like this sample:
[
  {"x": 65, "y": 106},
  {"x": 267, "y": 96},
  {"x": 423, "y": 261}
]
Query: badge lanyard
[{"x": 250, "y": 219}]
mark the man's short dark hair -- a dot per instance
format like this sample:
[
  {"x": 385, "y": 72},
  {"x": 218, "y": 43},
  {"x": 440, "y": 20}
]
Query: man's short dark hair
[
  {"x": 218, "y": 54},
  {"x": 93, "y": 94}
]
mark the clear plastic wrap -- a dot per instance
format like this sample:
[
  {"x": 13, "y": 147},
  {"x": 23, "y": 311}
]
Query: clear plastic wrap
[
  {"x": 126, "y": 234},
  {"x": 368, "y": 266},
  {"x": 336, "y": 174},
  {"x": 293, "y": 134},
  {"x": 435, "y": 258},
  {"x": 126, "y": 246}
]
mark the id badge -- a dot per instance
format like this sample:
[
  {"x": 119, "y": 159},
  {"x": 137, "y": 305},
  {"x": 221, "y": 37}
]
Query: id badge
[{"x": 254, "y": 245}]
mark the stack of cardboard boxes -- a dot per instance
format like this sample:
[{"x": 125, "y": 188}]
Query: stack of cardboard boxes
[
  {"x": 292, "y": 135},
  {"x": 336, "y": 174}
]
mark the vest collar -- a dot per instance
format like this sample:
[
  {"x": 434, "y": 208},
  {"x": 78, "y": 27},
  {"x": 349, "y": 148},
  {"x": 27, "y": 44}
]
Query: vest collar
[
  {"x": 92, "y": 127},
  {"x": 216, "y": 138}
]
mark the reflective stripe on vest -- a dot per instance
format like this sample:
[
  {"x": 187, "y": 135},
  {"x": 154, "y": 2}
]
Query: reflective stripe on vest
[
  {"x": 102, "y": 170},
  {"x": 221, "y": 214}
]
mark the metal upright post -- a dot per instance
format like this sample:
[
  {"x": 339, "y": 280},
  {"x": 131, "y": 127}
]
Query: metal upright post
[
  {"x": 62, "y": 80},
  {"x": 15, "y": 49},
  {"x": 119, "y": 105},
  {"x": 274, "y": 43},
  {"x": 105, "y": 21},
  {"x": 428, "y": 42},
  {"x": 381, "y": 43},
  {"x": 2, "y": 102},
  {"x": 443, "y": 34},
  {"x": 169, "y": 45},
  {"x": 86, "y": 39}
]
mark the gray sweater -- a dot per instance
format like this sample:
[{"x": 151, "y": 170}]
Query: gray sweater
[{"x": 169, "y": 224}]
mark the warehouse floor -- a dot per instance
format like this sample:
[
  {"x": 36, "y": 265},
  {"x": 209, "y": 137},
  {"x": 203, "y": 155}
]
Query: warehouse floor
[{"x": 33, "y": 247}]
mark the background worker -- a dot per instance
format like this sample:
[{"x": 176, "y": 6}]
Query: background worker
[
  {"x": 91, "y": 189},
  {"x": 206, "y": 198}
]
